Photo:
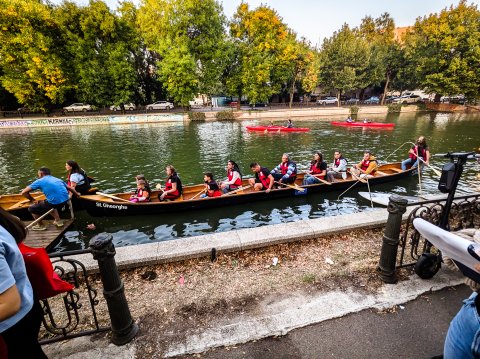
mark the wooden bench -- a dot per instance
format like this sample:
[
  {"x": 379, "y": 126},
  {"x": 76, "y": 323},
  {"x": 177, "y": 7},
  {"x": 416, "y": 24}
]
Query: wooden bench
[{"x": 396, "y": 169}]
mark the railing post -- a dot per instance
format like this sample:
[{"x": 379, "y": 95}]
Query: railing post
[
  {"x": 124, "y": 328},
  {"x": 397, "y": 206}
]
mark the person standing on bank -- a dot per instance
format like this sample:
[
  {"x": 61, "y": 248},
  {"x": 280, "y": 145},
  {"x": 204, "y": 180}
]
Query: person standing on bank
[
  {"x": 420, "y": 149},
  {"x": 286, "y": 171},
  {"x": 20, "y": 313},
  {"x": 77, "y": 179},
  {"x": 317, "y": 171},
  {"x": 56, "y": 193},
  {"x": 339, "y": 167}
]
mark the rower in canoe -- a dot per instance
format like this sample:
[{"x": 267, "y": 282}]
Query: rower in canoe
[
  {"x": 173, "y": 185},
  {"x": 263, "y": 179}
]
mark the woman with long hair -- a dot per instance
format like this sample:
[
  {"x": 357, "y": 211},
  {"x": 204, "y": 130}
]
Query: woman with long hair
[
  {"x": 234, "y": 177},
  {"x": 317, "y": 170},
  {"x": 173, "y": 186},
  {"x": 77, "y": 178}
]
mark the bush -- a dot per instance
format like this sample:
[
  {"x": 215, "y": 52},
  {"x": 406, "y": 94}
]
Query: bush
[
  {"x": 196, "y": 116},
  {"x": 354, "y": 110},
  {"x": 394, "y": 107},
  {"x": 225, "y": 115}
]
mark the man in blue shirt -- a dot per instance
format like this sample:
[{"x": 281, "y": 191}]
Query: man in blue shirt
[{"x": 56, "y": 193}]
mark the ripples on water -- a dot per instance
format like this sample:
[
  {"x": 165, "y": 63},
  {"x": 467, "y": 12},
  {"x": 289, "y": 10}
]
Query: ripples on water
[{"x": 115, "y": 154}]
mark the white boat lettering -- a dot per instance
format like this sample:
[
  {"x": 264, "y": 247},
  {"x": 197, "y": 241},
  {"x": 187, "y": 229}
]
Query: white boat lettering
[{"x": 119, "y": 207}]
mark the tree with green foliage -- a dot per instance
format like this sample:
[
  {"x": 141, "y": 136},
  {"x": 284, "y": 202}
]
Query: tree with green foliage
[
  {"x": 189, "y": 37},
  {"x": 265, "y": 51},
  {"x": 385, "y": 51},
  {"x": 33, "y": 68},
  {"x": 304, "y": 70},
  {"x": 345, "y": 59},
  {"x": 444, "y": 50},
  {"x": 100, "y": 46}
]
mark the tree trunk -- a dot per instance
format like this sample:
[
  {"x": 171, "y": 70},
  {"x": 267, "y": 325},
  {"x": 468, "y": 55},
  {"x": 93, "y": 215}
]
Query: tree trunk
[
  {"x": 292, "y": 89},
  {"x": 339, "y": 97},
  {"x": 385, "y": 89}
]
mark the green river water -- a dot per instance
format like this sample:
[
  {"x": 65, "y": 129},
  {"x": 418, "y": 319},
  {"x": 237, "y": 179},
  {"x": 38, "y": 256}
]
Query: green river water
[{"x": 114, "y": 154}]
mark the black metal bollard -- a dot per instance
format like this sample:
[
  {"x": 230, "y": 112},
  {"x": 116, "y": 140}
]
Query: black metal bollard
[
  {"x": 124, "y": 328},
  {"x": 388, "y": 257}
]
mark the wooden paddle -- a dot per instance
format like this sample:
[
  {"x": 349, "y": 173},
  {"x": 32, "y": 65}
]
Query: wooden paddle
[
  {"x": 199, "y": 193},
  {"x": 437, "y": 172},
  {"x": 237, "y": 190},
  {"x": 113, "y": 197},
  {"x": 40, "y": 218},
  {"x": 19, "y": 203},
  {"x": 320, "y": 179},
  {"x": 296, "y": 186},
  {"x": 358, "y": 178}
]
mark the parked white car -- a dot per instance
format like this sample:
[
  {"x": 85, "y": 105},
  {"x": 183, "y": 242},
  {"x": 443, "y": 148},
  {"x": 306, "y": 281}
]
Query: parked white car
[
  {"x": 128, "y": 107},
  {"x": 195, "y": 103},
  {"x": 328, "y": 101},
  {"x": 407, "y": 99},
  {"x": 160, "y": 105},
  {"x": 78, "y": 107}
]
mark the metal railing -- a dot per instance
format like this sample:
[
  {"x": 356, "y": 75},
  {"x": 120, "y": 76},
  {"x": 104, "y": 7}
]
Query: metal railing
[
  {"x": 465, "y": 213},
  {"x": 74, "y": 313},
  {"x": 62, "y": 318}
]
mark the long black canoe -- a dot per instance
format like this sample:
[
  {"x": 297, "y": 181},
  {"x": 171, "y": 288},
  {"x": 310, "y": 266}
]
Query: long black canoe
[{"x": 102, "y": 206}]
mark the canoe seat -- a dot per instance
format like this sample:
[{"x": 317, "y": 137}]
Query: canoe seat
[
  {"x": 395, "y": 169},
  {"x": 381, "y": 173}
]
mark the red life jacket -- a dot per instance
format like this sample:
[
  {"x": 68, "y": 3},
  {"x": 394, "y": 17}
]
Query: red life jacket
[
  {"x": 423, "y": 153},
  {"x": 316, "y": 171},
  {"x": 264, "y": 179},
  {"x": 168, "y": 187},
  {"x": 143, "y": 193},
  {"x": 238, "y": 181},
  {"x": 284, "y": 169},
  {"x": 337, "y": 162},
  {"x": 213, "y": 190},
  {"x": 364, "y": 165}
]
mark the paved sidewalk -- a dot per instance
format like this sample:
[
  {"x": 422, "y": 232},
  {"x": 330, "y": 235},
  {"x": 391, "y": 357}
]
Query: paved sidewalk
[
  {"x": 416, "y": 329},
  {"x": 341, "y": 333}
]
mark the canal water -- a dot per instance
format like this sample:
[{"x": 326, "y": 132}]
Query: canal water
[{"x": 113, "y": 155}]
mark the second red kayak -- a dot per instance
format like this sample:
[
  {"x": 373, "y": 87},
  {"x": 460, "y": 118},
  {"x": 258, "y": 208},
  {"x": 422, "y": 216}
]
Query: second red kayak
[
  {"x": 277, "y": 129},
  {"x": 362, "y": 124}
]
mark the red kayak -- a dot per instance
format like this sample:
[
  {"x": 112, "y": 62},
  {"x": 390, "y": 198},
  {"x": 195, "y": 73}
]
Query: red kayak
[
  {"x": 362, "y": 124},
  {"x": 277, "y": 129}
]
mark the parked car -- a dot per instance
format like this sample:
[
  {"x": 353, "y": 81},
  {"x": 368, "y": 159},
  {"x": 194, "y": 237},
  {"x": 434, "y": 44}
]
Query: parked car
[
  {"x": 160, "y": 105},
  {"x": 24, "y": 109},
  {"x": 233, "y": 104},
  {"x": 259, "y": 104},
  {"x": 328, "y": 101},
  {"x": 374, "y": 100},
  {"x": 352, "y": 101},
  {"x": 390, "y": 99},
  {"x": 459, "y": 99},
  {"x": 78, "y": 107},
  {"x": 128, "y": 107},
  {"x": 408, "y": 99}
]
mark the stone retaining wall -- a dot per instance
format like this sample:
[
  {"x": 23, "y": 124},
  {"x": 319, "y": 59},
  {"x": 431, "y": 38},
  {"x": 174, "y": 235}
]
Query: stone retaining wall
[{"x": 91, "y": 120}]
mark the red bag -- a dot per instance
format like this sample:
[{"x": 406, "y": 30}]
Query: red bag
[{"x": 45, "y": 282}]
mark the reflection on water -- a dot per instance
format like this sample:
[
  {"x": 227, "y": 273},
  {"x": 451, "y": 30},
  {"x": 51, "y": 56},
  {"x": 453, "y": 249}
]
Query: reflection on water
[{"x": 115, "y": 154}]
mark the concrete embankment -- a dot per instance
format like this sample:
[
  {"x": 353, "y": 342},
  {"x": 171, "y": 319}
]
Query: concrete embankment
[
  {"x": 238, "y": 240},
  {"x": 312, "y": 113}
]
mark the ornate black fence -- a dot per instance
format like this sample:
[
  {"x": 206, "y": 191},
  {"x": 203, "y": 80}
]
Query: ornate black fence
[
  {"x": 62, "y": 318},
  {"x": 465, "y": 213},
  {"x": 74, "y": 313}
]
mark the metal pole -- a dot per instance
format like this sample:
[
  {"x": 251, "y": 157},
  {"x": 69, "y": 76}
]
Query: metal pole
[
  {"x": 124, "y": 328},
  {"x": 388, "y": 256}
]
